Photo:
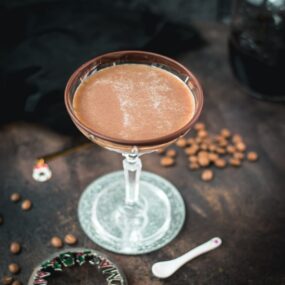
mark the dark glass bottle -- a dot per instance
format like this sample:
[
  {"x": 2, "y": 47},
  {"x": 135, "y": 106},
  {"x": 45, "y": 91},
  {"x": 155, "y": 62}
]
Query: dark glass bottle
[{"x": 257, "y": 47}]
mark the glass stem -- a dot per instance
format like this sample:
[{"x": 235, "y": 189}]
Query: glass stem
[{"x": 132, "y": 169}]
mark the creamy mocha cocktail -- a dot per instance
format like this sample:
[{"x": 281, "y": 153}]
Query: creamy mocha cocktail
[{"x": 134, "y": 102}]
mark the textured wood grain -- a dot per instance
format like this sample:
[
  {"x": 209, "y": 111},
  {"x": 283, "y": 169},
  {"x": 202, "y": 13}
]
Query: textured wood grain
[{"x": 243, "y": 206}]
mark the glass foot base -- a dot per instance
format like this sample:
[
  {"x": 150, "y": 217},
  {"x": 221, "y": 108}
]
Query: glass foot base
[{"x": 145, "y": 227}]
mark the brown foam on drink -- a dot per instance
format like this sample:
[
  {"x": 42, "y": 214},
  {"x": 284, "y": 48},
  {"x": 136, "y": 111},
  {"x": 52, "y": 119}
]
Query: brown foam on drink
[{"x": 134, "y": 102}]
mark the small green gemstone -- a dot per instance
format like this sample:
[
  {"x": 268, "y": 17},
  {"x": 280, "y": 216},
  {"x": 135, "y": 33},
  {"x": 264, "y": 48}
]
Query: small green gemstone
[
  {"x": 80, "y": 259},
  {"x": 67, "y": 259},
  {"x": 57, "y": 266}
]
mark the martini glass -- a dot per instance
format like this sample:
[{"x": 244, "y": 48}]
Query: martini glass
[{"x": 131, "y": 211}]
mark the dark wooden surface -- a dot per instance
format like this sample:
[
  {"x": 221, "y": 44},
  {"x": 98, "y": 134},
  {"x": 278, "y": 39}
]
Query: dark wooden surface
[{"x": 243, "y": 206}]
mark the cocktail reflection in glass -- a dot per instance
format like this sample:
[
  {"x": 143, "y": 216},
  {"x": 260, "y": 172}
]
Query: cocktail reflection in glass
[{"x": 132, "y": 102}]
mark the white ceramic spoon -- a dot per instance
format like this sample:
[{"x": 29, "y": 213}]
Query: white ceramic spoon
[{"x": 165, "y": 269}]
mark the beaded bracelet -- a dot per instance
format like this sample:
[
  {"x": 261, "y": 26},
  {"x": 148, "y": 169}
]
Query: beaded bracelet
[{"x": 77, "y": 257}]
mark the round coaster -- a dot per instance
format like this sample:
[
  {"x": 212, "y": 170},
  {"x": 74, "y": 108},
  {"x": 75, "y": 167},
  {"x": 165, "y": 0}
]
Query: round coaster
[
  {"x": 109, "y": 272},
  {"x": 156, "y": 220}
]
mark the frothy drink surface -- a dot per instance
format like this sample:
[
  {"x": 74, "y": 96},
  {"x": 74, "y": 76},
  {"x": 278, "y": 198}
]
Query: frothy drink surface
[{"x": 134, "y": 102}]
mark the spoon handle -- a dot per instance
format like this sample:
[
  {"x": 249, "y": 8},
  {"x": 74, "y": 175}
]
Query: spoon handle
[{"x": 203, "y": 248}]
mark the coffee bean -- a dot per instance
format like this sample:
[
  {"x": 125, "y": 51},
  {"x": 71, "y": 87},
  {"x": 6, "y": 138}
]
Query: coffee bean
[
  {"x": 213, "y": 156},
  {"x": 70, "y": 239},
  {"x": 193, "y": 158},
  {"x": 220, "y": 163},
  {"x": 167, "y": 161},
  {"x": 15, "y": 197},
  {"x": 212, "y": 147},
  {"x": 7, "y": 280},
  {"x": 56, "y": 242},
  {"x": 235, "y": 162},
  {"x": 14, "y": 268},
  {"x": 181, "y": 142},
  {"x": 161, "y": 151},
  {"x": 1, "y": 220},
  {"x": 236, "y": 139},
  {"x": 207, "y": 175},
  {"x": 208, "y": 140},
  {"x": 171, "y": 153},
  {"x": 204, "y": 146},
  {"x": 240, "y": 146},
  {"x": 194, "y": 166},
  {"x": 225, "y": 133},
  {"x": 238, "y": 155},
  {"x": 220, "y": 150},
  {"x": 198, "y": 140},
  {"x": 15, "y": 247},
  {"x": 191, "y": 150},
  {"x": 203, "y": 153},
  {"x": 199, "y": 126},
  {"x": 26, "y": 205},
  {"x": 203, "y": 160},
  {"x": 17, "y": 282},
  {"x": 223, "y": 143},
  {"x": 252, "y": 156},
  {"x": 231, "y": 149},
  {"x": 202, "y": 134},
  {"x": 190, "y": 141}
]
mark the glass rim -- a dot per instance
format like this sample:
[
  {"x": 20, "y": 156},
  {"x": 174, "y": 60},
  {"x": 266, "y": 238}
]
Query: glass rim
[{"x": 140, "y": 143}]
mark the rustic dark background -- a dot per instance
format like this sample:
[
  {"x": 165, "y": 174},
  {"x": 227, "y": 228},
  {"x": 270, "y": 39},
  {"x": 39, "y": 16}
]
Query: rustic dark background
[{"x": 42, "y": 43}]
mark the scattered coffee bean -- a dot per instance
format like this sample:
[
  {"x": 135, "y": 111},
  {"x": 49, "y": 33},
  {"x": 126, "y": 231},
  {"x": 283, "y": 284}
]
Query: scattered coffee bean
[
  {"x": 181, "y": 142},
  {"x": 240, "y": 146},
  {"x": 1, "y": 220},
  {"x": 223, "y": 143},
  {"x": 221, "y": 150},
  {"x": 236, "y": 139},
  {"x": 199, "y": 126},
  {"x": 220, "y": 163},
  {"x": 15, "y": 197},
  {"x": 203, "y": 154},
  {"x": 238, "y": 155},
  {"x": 191, "y": 150},
  {"x": 193, "y": 158},
  {"x": 167, "y": 161},
  {"x": 14, "y": 268},
  {"x": 213, "y": 156},
  {"x": 15, "y": 247},
  {"x": 202, "y": 134},
  {"x": 171, "y": 153},
  {"x": 17, "y": 282},
  {"x": 207, "y": 175},
  {"x": 161, "y": 150},
  {"x": 56, "y": 242},
  {"x": 218, "y": 138},
  {"x": 225, "y": 133},
  {"x": 234, "y": 162},
  {"x": 231, "y": 149},
  {"x": 190, "y": 141},
  {"x": 208, "y": 140},
  {"x": 26, "y": 205},
  {"x": 204, "y": 150},
  {"x": 212, "y": 147},
  {"x": 203, "y": 161},
  {"x": 199, "y": 140},
  {"x": 204, "y": 146},
  {"x": 7, "y": 280},
  {"x": 252, "y": 156},
  {"x": 194, "y": 166},
  {"x": 70, "y": 239}
]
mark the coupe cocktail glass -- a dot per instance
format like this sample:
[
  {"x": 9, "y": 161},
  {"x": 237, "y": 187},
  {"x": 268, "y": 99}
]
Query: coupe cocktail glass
[{"x": 131, "y": 211}]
